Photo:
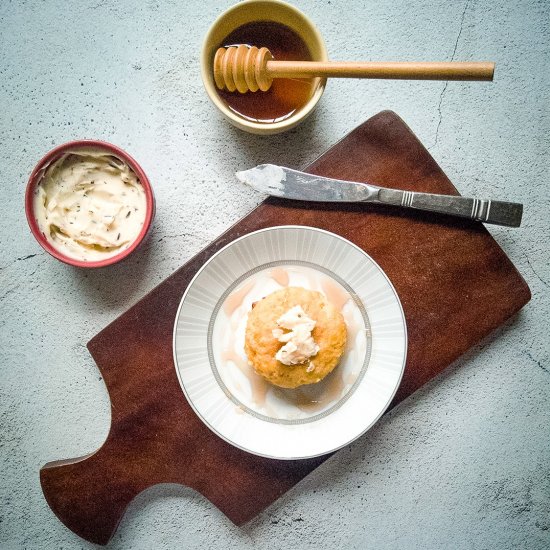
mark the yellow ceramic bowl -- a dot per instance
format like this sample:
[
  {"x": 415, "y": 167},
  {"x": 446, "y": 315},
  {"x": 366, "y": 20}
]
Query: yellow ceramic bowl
[{"x": 262, "y": 10}]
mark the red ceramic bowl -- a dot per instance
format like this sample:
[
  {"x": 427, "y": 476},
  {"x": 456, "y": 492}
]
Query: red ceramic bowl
[{"x": 53, "y": 155}]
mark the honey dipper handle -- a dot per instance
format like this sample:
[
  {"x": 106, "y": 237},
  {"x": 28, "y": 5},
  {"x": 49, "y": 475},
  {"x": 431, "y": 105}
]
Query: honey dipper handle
[{"x": 453, "y": 70}]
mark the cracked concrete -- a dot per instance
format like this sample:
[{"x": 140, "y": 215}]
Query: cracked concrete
[
  {"x": 462, "y": 464},
  {"x": 535, "y": 272},
  {"x": 21, "y": 259},
  {"x": 446, "y": 83}
]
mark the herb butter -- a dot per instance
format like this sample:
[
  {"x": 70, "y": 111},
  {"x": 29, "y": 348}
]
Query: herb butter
[
  {"x": 299, "y": 343},
  {"x": 90, "y": 205}
]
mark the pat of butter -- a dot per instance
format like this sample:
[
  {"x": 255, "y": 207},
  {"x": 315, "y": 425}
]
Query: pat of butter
[
  {"x": 90, "y": 205},
  {"x": 299, "y": 343}
]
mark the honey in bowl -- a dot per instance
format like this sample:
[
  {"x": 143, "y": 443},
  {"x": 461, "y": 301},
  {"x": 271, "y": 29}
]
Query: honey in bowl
[{"x": 286, "y": 95}]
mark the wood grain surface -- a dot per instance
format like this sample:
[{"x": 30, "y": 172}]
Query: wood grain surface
[{"x": 455, "y": 283}]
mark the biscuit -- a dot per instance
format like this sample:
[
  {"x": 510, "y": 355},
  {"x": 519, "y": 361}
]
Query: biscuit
[{"x": 261, "y": 346}]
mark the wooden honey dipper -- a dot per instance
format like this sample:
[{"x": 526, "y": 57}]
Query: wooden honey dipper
[{"x": 244, "y": 68}]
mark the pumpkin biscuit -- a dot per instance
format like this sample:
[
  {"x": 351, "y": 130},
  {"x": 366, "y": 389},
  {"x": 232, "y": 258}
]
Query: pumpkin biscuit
[{"x": 261, "y": 345}]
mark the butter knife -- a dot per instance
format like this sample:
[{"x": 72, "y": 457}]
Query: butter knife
[{"x": 279, "y": 181}]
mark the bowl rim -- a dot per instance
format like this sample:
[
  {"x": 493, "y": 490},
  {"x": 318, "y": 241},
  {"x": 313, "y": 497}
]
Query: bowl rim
[
  {"x": 53, "y": 155},
  {"x": 204, "y": 267},
  {"x": 243, "y": 123}
]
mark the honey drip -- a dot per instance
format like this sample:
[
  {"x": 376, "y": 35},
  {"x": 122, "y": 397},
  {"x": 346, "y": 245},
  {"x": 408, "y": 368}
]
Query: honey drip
[
  {"x": 235, "y": 300},
  {"x": 315, "y": 399},
  {"x": 258, "y": 385},
  {"x": 280, "y": 276},
  {"x": 335, "y": 293}
]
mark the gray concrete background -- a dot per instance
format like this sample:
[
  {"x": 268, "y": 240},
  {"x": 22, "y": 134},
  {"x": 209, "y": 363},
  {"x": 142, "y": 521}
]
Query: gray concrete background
[{"x": 465, "y": 462}]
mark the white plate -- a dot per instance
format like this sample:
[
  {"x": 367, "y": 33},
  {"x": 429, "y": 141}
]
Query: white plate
[{"x": 241, "y": 407}]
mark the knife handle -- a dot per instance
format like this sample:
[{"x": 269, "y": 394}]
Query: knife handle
[{"x": 496, "y": 212}]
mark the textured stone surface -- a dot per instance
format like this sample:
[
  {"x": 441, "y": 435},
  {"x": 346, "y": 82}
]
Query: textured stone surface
[{"x": 462, "y": 464}]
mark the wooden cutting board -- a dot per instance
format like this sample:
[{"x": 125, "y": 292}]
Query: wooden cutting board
[{"x": 455, "y": 283}]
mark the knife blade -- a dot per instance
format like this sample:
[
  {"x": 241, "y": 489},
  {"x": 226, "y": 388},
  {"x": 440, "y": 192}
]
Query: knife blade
[{"x": 279, "y": 181}]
